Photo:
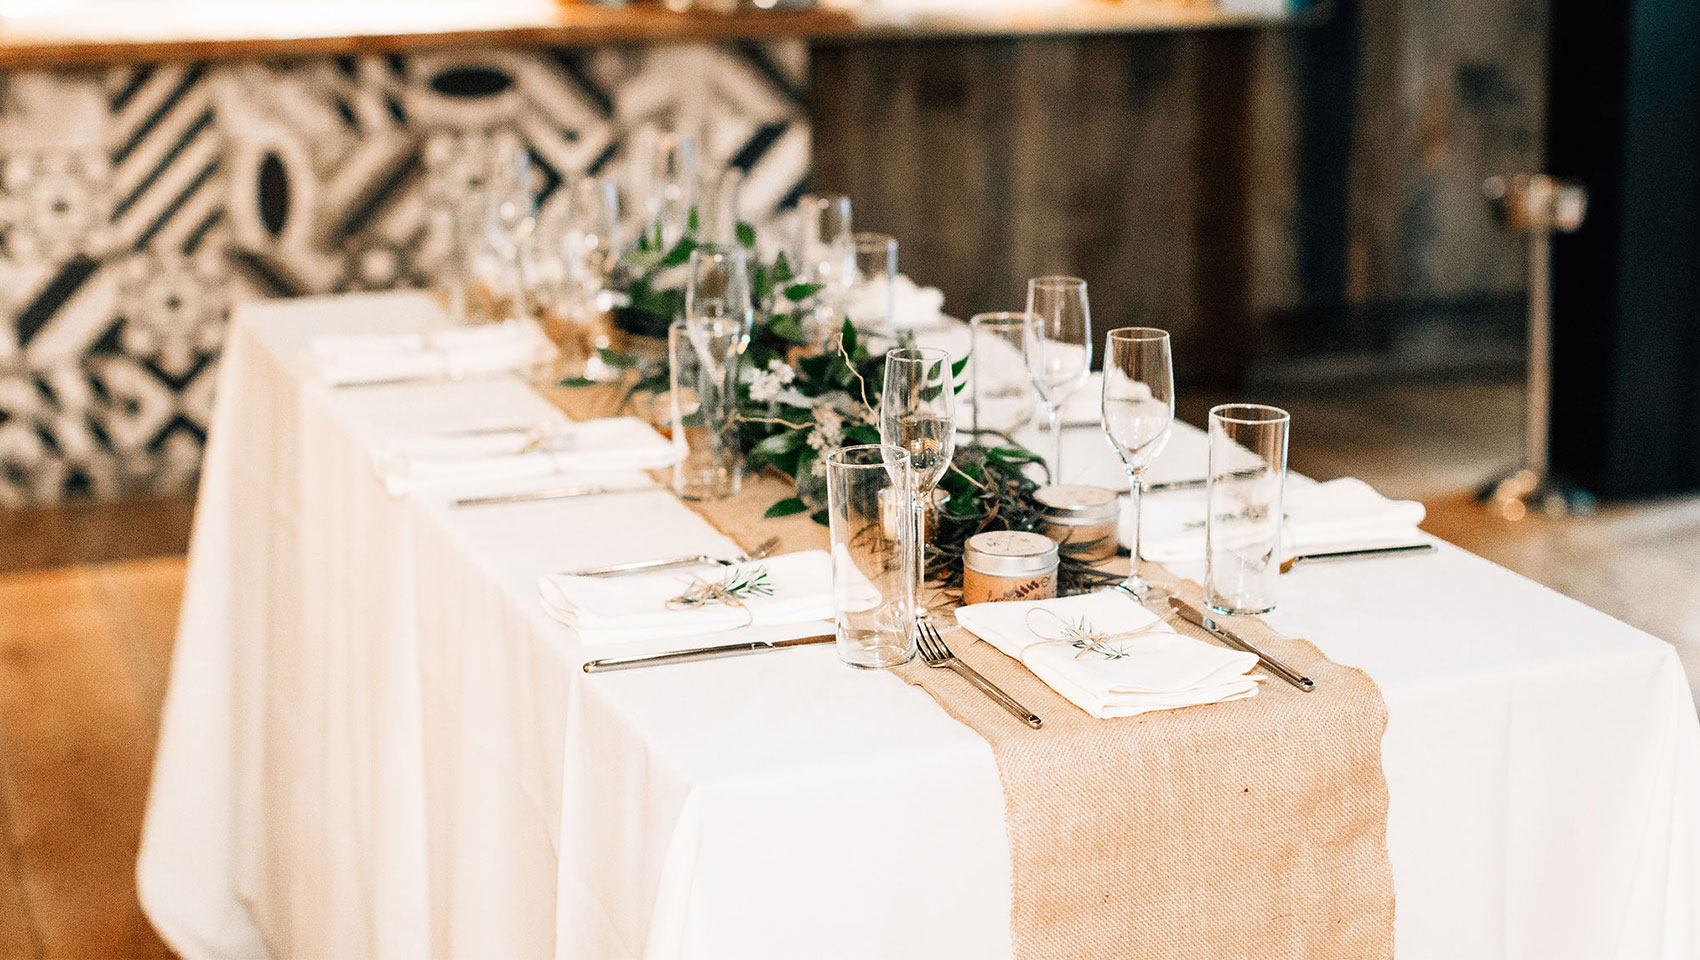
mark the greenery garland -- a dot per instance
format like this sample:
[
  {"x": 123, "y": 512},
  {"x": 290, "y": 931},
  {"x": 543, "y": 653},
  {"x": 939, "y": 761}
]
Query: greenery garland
[{"x": 795, "y": 406}]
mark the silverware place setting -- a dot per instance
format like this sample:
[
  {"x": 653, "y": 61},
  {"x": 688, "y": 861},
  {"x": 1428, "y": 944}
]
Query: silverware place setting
[
  {"x": 693, "y": 560},
  {"x": 936, "y": 654}
]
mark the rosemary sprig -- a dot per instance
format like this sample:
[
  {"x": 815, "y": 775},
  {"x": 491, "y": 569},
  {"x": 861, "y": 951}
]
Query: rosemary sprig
[{"x": 732, "y": 589}]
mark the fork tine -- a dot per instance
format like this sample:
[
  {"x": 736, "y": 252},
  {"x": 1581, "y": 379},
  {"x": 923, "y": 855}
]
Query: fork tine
[
  {"x": 935, "y": 642},
  {"x": 921, "y": 642}
]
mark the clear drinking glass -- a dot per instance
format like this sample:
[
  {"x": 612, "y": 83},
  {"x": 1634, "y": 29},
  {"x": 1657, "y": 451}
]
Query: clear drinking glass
[
  {"x": 917, "y": 416},
  {"x": 1242, "y": 530},
  {"x": 868, "y": 301},
  {"x": 997, "y": 373},
  {"x": 1058, "y": 349},
  {"x": 703, "y": 412},
  {"x": 1139, "y": 410},
  {"x": 873, "y": 554}
]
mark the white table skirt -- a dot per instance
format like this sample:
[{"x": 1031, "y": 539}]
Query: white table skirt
[{"x": 375, "y": 744}]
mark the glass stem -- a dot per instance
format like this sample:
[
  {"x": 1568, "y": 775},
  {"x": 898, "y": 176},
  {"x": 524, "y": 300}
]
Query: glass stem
[
  {"x": 1133, "y": 493},
  {"x": 1055, "y": 410}
]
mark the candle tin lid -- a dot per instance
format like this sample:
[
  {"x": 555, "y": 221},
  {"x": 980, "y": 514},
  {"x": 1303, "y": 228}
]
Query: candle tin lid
[
  {"x": 1010, "y": 553},
  {"x": 1078, "y": 504}
]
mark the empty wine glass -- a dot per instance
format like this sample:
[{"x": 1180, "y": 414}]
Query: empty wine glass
[
  {"x": 718, "y": 296},
  {"x": 1058, "y": 347},
  {"x": 917, "y": 415},
  {"x": 1139, "y": 410},
  {"x": 868, "y": 301}
]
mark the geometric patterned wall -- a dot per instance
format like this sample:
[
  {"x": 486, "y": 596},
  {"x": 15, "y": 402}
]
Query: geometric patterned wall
[{"x": 138, "y": 203}]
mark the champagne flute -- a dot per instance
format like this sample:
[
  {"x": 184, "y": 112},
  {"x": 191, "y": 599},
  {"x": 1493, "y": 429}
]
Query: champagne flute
[
  {"x": 1139, "y": 411},
  {"x": 719, "y": 299},
  {"x": 1058, "y": 348},
  {"x": 917, "y": 416}
]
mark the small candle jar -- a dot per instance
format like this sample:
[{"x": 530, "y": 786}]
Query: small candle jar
[
  {"x": 1008, "y": 565},
  {"x": 1081, "y": 519}
]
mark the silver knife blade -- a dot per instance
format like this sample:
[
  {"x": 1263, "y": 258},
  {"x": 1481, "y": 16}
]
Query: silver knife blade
[
  {"x": 559, "y": 493},
  {"x": 1209, "y": 624},
  {"x": 702, "y": 653}
]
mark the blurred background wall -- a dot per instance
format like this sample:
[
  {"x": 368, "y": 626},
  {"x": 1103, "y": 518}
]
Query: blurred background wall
[
  {"x": 1294, "y": 203},
  {"x": 1300, "y": 203}
]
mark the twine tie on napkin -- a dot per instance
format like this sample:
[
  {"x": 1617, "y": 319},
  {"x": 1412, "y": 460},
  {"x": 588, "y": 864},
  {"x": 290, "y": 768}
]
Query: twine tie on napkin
[{"x": 1081, "y": 635}]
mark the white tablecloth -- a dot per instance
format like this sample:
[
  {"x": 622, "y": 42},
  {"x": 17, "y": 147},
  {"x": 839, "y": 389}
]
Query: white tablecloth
[{"x": 375, "y": 744}]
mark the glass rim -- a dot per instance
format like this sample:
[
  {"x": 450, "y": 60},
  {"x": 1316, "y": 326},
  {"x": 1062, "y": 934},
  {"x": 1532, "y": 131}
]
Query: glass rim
[
  {"x": 917, "y": 354},
  {"x": 836, "y": 458},
  {"x": 1139, "y": 335},
  {"x": 1001, "y": 318},
  {"x": 1238, "y": 413},
  {"x": 1055, "y": 280}
]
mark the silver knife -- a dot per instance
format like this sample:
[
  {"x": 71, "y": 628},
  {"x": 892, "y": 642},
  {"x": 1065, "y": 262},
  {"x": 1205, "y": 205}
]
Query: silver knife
[
  {"x": 559, "y": 493},
  {"x": 1204, "y": 620},
  {"x": 1334, "y": 555},
  {"x": 702, "y": 653}
]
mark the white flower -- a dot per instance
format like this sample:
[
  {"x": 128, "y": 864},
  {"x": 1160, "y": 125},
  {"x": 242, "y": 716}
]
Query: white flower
[
  {"x": 829, "y": 423},
  {"x": 765, "y": 385}
]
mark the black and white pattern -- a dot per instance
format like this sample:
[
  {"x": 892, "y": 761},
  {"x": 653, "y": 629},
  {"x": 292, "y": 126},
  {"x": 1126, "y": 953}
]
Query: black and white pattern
[{"x": 138, "y": 204}]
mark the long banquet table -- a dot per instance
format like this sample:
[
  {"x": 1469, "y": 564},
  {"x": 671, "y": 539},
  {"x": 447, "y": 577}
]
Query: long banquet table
[{"x": 376, "y": 744}]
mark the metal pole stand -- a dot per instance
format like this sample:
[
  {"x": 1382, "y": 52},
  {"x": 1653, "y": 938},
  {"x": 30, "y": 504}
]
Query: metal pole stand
[{"x": 1540, "y": 206}]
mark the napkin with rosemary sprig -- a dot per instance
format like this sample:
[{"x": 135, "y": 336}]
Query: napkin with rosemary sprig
[
  {"x": 776, "y": 591},
  {"x": 1110, "y": 656}
]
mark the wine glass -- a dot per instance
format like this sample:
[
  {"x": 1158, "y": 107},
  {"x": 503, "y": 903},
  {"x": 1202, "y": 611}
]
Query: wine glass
[
  {"x": 719, "y": 301},
  {"x": 1058, "y": 347},
  {"x": 1139, "y": 410},
  {"x": 916, "y": 415}
]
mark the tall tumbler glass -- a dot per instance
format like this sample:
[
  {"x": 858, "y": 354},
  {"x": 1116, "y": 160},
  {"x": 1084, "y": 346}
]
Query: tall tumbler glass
[
  {"x": 999, "y": 386},
  {"x": 869, "y": 301},
  {"x": 873, "y": 554},
  {"x": 703, "y": 411},
  {"x": 1242, "y": 530}
]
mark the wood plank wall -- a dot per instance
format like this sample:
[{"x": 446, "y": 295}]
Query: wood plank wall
[{"x": 1272, "y": 195}]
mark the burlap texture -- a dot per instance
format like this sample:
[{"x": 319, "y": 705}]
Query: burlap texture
[{"x": 1251, "y": 829}]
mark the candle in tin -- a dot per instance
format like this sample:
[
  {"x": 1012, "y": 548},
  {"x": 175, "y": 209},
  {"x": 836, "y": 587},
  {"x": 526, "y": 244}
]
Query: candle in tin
[
  {"x": 1081, "y": 519},
  {"x": 1008, "y": 565}
]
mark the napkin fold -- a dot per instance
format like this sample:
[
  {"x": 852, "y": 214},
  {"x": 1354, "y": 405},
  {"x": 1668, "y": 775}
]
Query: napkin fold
[
  {"x": 614, "y": 443},
  {"x": 1343, "y": 514},
  {"x": 636, "y": 606},
  {"x": 459, "y": 351},
  {"x": 1155, "y": 669},
  {"x": 914, "y": 307}
]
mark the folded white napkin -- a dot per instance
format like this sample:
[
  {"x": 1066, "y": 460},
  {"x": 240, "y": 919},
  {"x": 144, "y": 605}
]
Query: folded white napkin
[
  {"x": 1343, "y": 514},
  {"x": 636, "y": 606},
  {"x": 614, "y": 443},
  {"x": 457, "y": 351},
  {"x": 1157, "y": 669}
]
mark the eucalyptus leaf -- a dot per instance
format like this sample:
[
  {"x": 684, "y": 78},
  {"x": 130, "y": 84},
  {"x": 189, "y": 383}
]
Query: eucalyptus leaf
[
  {"x": 746, "y": 235},
  {"x": 785, "y": 508},
  {"x": 798, "y": 292},
  {"x": 619, "y": 361}
]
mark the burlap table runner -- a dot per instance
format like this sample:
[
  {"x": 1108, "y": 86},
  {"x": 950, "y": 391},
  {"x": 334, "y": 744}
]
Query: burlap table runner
[{"x": 1251, "y": 829}]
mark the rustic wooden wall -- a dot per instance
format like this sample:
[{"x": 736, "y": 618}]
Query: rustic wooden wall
[{"x": 1272, "y": 195}]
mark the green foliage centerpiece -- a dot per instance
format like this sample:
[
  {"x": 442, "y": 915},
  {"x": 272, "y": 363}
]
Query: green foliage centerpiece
[{"x": 800, "y": 397}]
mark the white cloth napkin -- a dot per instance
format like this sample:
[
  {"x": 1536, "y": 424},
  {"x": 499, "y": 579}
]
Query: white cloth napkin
[
  {"x": 914, "y": 307},
  {"x": 1158, "y": 670},
  {"x": 1343, "y": 514},
  {"x": 614, "y": 443},
  {"x": 634, "y": 606},
  {"x": 458, "y": 351}
]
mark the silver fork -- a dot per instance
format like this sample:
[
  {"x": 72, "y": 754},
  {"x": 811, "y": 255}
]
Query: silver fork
[
  {"x": 936, "y": 654},
  {"x": 700, "y": 559}
]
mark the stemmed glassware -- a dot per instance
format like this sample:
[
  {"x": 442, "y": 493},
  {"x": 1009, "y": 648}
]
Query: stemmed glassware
[
  {"x": 1058, "y": 348},
  {"x": 1139, "y": 411},
  {"x": 1000, "y": 387},
  {"x": 917, "y": 415},
  {"x": 705, "y": 350}
]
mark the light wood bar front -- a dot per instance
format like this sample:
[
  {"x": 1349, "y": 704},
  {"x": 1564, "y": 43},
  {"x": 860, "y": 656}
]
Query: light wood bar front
[{"x": 174, "y": 30}]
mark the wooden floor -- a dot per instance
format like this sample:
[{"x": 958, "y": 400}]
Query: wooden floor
[
  {"x": 84, "y": 654},
  {"x": 84, "y": 647}
]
